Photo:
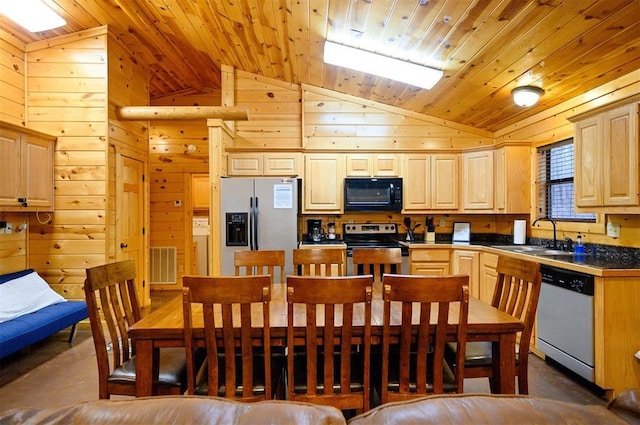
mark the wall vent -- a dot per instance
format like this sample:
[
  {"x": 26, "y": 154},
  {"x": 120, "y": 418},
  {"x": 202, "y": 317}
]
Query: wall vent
[{"x": 163, "y": 265}]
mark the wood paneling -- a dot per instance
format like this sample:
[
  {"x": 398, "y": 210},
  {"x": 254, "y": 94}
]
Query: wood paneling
[
  {"x": 12, "y": 79},
  {"x": 485, "y": 48},
  {"x": 333, "y": 121}
]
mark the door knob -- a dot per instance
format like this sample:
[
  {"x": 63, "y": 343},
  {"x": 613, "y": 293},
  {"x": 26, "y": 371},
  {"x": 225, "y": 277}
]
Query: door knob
[{"x": 123, "y": 245}]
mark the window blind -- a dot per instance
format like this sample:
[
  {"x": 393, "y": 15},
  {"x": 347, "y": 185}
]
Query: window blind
[{"x": 555, "y": 198}]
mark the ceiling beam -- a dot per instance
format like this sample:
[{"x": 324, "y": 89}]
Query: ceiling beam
[{"x": 175, "y": 113}]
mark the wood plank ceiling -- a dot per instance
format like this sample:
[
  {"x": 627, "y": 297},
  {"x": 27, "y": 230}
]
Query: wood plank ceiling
[{"x": 485, "y": 47}]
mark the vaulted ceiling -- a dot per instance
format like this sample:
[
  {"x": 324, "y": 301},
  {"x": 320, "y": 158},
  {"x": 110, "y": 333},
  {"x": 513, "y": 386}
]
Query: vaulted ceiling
[{"x": 485, "y": 47}]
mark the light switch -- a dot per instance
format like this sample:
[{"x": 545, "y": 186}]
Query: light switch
[{"x": 613, "y": 230}]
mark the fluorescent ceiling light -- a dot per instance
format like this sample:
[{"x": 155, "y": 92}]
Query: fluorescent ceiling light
[
  {"x": 382, "y": 66},
  {"x": 33, "y": 15},
  {"x": 526, "y": 95}
]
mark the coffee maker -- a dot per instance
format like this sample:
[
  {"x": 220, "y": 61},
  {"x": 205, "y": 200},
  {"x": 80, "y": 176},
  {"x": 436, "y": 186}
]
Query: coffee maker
[{"x": 314, "y": 227}]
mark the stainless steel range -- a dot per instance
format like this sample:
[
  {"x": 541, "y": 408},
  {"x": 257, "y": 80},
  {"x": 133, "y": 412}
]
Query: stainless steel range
[{"x": 373, "y": 235}]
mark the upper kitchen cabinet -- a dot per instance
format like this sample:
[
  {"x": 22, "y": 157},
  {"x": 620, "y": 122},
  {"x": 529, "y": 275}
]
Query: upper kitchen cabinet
[
  {"x": 200, "y": 191},
  {"x": 26, "y": 179},
  {"x": 478, "y": 181},
  {"x": 430, "y": 182},
  {"x": 606, "y": 159},
  {"x": 264, "y": 164},
  {"x": 513, "y": 179},
  {"x": 372, "y": 165},
  {"x": 323, "y": 183}
]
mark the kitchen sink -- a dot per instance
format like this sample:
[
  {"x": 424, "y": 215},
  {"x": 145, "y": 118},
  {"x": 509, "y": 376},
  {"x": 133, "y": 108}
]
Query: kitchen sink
[{"x": 533, "y": 250}]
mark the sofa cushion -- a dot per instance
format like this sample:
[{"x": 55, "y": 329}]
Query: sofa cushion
[
  {"x": 33, "y": 327},
  {"x": 486, "y": 409},
  {"x": 25, "y": 294},
  {"x": 178, "y": 410}
]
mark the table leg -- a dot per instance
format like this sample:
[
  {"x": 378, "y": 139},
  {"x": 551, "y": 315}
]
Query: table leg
[
  {"x": 504, "y": 366},
  {"x": 144, "y": 367}
]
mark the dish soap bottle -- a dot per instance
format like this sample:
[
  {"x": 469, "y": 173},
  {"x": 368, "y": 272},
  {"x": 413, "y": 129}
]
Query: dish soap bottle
[{"x": 579, "y": 248}]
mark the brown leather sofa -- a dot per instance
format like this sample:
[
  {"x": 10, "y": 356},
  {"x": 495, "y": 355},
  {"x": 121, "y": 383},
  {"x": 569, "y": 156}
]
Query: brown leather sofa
[
  {"x": 446, "y": 409},
  {"x": 501, "y": 409}
]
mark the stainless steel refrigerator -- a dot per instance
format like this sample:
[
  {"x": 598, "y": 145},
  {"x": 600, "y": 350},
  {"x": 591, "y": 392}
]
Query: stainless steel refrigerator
[{"x": 258, "y": 214}]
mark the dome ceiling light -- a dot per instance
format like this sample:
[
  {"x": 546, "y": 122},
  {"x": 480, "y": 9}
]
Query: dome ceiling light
[{"x": 526, "y": 96}]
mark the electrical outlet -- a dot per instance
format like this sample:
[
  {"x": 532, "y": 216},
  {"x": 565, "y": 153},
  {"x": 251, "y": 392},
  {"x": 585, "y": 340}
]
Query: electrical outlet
[
  {"x": 613, "y": 230},
  {"x": 442, "y": 222}
]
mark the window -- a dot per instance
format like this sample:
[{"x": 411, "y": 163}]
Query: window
[{"x": 555, "y": 183}]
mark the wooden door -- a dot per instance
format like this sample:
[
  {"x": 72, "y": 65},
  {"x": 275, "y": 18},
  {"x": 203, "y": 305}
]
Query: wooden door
[
  {"x": 621, "y": 156},
  {"x": 130, "y": 220},
  {"x": 587, "y": 179},
  {"x": 468, "y": 262},
  {"x": 11, "y": 170},
  {"x": 445, "y": 181},
  {"x": 416, "y": 171},
  {"x": 477, "y": 180}
]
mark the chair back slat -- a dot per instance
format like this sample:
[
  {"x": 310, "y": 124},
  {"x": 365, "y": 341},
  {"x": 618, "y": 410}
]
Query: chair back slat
[
  {"x": 226, "y": 303},
  {"x": 415, "y": 353},
  {"x": 319, "y": 262},
  {"x": 113, "y": 304},
  {"x": 329, "y": 347},
  {"x": 264, "y": 262},
  {"x": 377, "y": 261}
]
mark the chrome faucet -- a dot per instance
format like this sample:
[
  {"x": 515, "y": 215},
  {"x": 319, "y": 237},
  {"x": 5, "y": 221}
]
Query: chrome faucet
[{"x": 553, "y": 223}]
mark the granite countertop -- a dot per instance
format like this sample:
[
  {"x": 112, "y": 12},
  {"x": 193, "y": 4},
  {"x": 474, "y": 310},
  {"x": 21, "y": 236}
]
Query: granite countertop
[{"x": 618, "y": 263}]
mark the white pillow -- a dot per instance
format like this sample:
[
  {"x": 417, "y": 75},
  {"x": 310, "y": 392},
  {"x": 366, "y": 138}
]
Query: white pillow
[{"x": 25, "y": 295}]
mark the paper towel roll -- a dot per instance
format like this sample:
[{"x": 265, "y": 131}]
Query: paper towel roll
[{"x": 519, "y": 232}]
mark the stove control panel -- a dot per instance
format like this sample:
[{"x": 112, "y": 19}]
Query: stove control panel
[{"x": 371, "y": 228}]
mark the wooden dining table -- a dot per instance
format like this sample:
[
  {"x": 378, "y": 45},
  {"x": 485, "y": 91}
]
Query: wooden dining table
[{"x": 164, "y": 328}]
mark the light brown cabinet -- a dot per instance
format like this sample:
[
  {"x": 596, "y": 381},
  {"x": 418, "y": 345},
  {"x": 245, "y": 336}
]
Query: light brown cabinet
[
  {"x": 324, "y": 181},
  {"x": 429, "y": 261},
  {"x": 513, "y": 179},
  {"x": 372, "y": 165},
  {"x": 478, "y": 180},
  {"x": 488, "y": 276},
  {"x": 200, "y": 192},
  {"x": 606, "y": 159},
  {"x": 430, "y": 182},
  {"x": 264, "y": 164},
  {"x": 467, "y": 262},
  {"x": 26, "y": 178}
]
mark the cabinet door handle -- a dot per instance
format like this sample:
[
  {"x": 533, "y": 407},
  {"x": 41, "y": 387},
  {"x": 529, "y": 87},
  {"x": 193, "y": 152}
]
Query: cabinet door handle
[{"x": 123, "y": 245}]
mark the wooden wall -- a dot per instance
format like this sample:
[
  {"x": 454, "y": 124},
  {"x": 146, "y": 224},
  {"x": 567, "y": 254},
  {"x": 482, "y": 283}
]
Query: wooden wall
[
  {"x": 275, "y": 112},
  {"x": 171, "y": 165},
  {"x": 333, "y": 121},
  {"x": 67, "y": 97},
  {"x": 13, "y": 247},
  {"x": 12, "y": 77}
]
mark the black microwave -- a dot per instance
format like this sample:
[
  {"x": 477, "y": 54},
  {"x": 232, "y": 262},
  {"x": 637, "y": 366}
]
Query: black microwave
[{"x": 372, "y": 194}]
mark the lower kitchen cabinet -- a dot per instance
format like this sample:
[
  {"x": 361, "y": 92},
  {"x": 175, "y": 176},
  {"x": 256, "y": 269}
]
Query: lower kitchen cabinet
[
  {"x": 429, "y": 261},
  {"x": 467, "y": 262},
  {"x": 488, "y": 276}
]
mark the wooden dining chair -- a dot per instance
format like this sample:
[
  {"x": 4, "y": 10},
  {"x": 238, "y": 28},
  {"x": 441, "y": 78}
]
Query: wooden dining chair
[
  {"x": 328, "y": 317},
  {"x": 110, "y": 294},
  {"x": 319, "y": 262},
  {"x": 517, "y": 291},
  {"x": 265, "y": 262},
  {"x": 414, "y": 336},
  {"x": 377, "y": 261},
  {"x": 239, "y": 362}
]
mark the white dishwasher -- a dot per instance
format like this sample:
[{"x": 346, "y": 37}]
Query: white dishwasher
[{"x": 565, "y": 319}]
